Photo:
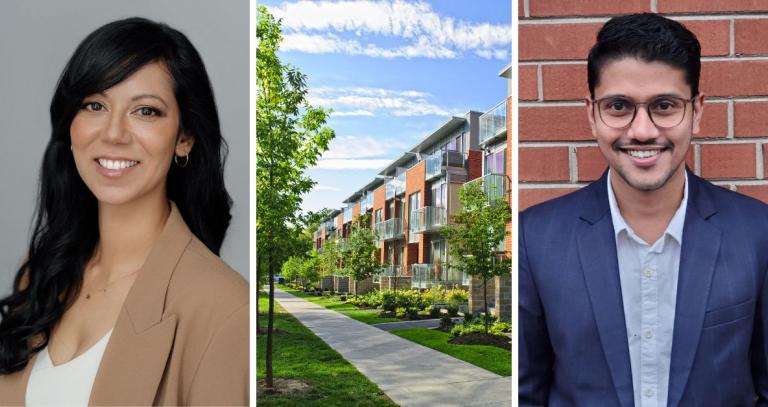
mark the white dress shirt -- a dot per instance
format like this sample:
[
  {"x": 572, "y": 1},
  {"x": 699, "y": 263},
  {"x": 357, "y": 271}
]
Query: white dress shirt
[
  {"x": 648, "y": 274},
  {"x": 67, "y": 384}
]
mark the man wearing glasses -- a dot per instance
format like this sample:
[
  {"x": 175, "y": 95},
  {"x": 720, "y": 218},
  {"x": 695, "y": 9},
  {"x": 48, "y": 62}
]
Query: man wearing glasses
[{"x": 647, "y": 287}]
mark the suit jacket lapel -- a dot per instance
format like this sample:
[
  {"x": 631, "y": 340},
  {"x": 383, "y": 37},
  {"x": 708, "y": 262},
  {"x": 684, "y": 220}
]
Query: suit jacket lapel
[
  {"x": 135, "y": 358},
  {"x": 698, "y": 255},
  {"x": 599, "y": 262}
]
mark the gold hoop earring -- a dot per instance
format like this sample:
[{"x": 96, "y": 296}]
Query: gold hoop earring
[{"x": 186, "y": 160}]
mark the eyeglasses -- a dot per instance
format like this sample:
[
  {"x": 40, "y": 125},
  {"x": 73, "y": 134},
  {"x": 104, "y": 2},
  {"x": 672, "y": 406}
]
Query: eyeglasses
[{"x": 619, "y": 112}]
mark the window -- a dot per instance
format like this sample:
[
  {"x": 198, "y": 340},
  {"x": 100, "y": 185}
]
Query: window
[
  {"x": 439, "y": 195},
  {"x": 494, "y": 162},
  {"x": 413, "y": 205},
  {"x": 377, "y": 216}
]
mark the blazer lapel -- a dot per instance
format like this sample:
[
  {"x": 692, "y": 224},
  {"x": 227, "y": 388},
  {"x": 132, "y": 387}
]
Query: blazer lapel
[
  {"x": 698, "y": 255},
  {"x": 135, "y": 358},
  {"x": 599, "y": 262}
]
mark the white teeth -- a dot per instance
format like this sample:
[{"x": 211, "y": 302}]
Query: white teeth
[
  {"x": 116, "y": 164},
  {"x": 643, "y": 153}
]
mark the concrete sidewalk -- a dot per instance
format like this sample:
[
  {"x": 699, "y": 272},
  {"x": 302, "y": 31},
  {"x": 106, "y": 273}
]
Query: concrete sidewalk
[{"x": 410, "y": 374}]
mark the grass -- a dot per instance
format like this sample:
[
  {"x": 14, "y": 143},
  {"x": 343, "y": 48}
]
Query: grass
[
  {"x": 300, "y": 354},
  {"x": 370, "y": 317},
  {"x": 333, "y": 302},
  {"x": 491, "y": 358}
]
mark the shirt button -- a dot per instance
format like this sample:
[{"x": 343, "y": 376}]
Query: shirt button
[
  {"x": 647, "y": 273},
  {"x": 648, "y": 334},
  {"x": 648, "y": 392}
]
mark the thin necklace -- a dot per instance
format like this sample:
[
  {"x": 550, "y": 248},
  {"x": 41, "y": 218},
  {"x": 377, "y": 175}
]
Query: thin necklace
[{"x": 104, "y": 289}]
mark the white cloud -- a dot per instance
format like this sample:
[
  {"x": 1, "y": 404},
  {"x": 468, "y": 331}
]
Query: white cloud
[
  {"x": 431, "y": 35},
  {"x": 369, "y": 101},
  {"x": 344, "y": 164},
  {"x": 350, "y": 147}
]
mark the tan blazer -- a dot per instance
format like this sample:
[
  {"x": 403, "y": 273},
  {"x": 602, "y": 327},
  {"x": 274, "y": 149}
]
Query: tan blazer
[{"x": 181, "y": 337}]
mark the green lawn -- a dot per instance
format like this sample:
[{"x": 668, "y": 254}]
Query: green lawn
[
  {"x": 300, "y": 354},
  {"x": 332, "y": 302},
  {"x": 495, "y": 359},
  {"x": 369, "y": 317}
]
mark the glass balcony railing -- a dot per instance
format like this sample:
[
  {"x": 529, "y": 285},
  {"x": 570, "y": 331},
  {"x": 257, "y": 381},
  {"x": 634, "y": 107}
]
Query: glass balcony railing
[
  {"x": 366, "y": 202},
  {"x": 427, "y": 219},
  {"x": 389, "y": 229},
  {"x": 391, "y": 271},
  {"x": 347, "y": 215},
  {"x": 493, "y": 123},
  {"x": 437, "y": 162},
  {"x": 494, "y": 186},
  {"x": 394, "y": 187},
  {"x": 427, "y": 275}
]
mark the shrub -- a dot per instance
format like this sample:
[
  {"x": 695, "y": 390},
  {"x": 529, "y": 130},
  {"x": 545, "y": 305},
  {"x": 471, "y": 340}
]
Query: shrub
[
  {"x": 468, "y": 317},
  {"x": 456, "y": 296},
  {"x": 453, "y": 310},
  {"x": 446, "y": 323},
  {"x": 500, "y": 328},
  {"x": 412, "y": 312},
  {"x": 434, "y": 312},
  {"x": 388, "y": 300},
  {"x": 400, "y": 312},
  {"x": 435, "y": 295},
  {"x": 343, "y": 298}
]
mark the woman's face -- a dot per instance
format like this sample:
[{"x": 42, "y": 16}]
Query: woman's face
[{"x": 124, "y": 139}]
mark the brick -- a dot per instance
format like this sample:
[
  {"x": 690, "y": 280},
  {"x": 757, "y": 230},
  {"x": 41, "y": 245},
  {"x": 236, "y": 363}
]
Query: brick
[
  {"x": 590, "y": 162},
  {"x": 723, "y": 161},
  {"x": 714, "y": 123},
  {"x": 521, "y": 9},
  {"x": 543, "y": 164},
  {"x": 564, "y": 82},
  {"x": 749, "y": 37},
  {"x": 698, "y": 6},
  {"x": 551, "y": 8},
  {"x": 750, "y": 119},
  {"x": 565, "y": 123},
  {"x": 556, "y": 41},
  {"x": 755, "y": 191},
  {"x": 714, "y": 35},
  {"x": 765, "y": 159},
  {"x": 734, "y": 78},
  {"x": 528, "y": 82},
  {"x": 529, "y": 197}
]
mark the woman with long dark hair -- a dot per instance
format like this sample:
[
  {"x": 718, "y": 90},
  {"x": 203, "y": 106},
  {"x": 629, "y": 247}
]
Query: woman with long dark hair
[{"x": 122, "y": 298}]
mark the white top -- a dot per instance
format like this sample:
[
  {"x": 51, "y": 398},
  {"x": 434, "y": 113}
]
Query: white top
[
  {"x": 68, "y": 384},
  {"x": 648, "y": 274}
]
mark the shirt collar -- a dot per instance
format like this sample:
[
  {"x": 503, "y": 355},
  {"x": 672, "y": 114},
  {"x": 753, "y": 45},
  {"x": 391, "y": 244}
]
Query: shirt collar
[{"x": 675, "y": 227}]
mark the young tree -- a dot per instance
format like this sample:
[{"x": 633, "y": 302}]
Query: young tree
[
  {"x": 289, "y": 139},
  {"x": 475, "y": 235},
  {"x": 359, "y": 260}
]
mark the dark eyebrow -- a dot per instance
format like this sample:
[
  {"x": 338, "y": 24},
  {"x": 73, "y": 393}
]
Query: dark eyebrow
[
  {"x": 654, "y": 97},
  {"x": 147, "y": 95}
]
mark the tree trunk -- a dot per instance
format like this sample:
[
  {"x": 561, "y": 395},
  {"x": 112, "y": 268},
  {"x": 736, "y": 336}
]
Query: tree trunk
[
  {"x": 270, "y": 319},
  {"x": 485, "y": 301}
]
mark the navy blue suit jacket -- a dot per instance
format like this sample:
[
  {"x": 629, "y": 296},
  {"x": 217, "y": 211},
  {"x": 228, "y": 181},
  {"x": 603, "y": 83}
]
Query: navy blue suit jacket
[{"x": 572, "y": 334}]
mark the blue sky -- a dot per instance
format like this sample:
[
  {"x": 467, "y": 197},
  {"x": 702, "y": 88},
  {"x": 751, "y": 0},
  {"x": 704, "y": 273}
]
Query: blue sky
[{"x": 393, "y": 71}]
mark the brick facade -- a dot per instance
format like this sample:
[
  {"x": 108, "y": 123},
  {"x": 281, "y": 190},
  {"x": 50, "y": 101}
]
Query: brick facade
[{"x": 554, "y": 39}]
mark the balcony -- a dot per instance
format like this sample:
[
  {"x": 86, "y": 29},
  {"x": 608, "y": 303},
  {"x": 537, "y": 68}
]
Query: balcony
[
  {"x": 438, "y": 162},
  {"x": 395, "y": 187},
  {"x": 347, "y": 215},
  {"x": 366, "y": 202},
  {"x": 388, "y": 271},
  {"x": 493, "y": 124},
  {"x": 427, "y": 219},
  {"x": 494, "y": 186},
  {"x": 427, "y": 275},
  {"x": 389, "y": 229}
]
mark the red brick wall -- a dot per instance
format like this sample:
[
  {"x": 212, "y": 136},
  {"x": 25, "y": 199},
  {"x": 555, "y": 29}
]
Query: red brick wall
[
  {"x": 474, "y": 164},
  {"x": 557, "y": 151},
  {"x": 414, "y": 182},
  {"x": 355, "y": 210},
  {"x": 378, "y": 203}
]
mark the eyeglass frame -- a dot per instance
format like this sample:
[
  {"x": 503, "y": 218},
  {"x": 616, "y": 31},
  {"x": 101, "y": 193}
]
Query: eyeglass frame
[{"x": 595, "y": 105}]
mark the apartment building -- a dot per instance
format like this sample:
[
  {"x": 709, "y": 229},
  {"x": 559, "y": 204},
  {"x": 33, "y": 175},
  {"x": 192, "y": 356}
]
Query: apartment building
[{"x": 414, "y": 196}]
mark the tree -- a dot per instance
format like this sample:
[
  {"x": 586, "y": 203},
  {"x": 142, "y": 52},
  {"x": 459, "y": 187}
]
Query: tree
[
  {"x": 473, "y": 239},
  {"x": 328, "y": 261},
  {"x": 359, "y": 260},
  {"x": 290, "y": 136},
  {"x": 291, "y": 269}
]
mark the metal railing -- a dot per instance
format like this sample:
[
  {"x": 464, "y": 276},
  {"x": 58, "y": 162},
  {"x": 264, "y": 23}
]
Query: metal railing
[
  {"x": 426, "y": 275},
  {"x": 427, "y": 219},
  {"x": 494, "y": 122},
  {"x": 437, "y": 162},
  {"x": 494, "y": 186},
  {"x": 389, "y": 229}
]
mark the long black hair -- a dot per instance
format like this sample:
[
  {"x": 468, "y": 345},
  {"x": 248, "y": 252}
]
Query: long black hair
[{"x": 66, "y": 231}]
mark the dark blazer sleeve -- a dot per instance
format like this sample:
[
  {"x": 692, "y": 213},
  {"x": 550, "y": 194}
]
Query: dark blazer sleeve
[
  {"x": 760, "y": 345},
  {"x": 222, "y": 376},
  {"x": 535, "y": 351}
]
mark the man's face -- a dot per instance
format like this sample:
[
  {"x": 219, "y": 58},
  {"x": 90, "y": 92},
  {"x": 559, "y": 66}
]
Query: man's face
[{"x": 643, "y": 154}]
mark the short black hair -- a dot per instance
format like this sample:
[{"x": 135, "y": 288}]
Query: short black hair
[{"x": 648, "y": 37}]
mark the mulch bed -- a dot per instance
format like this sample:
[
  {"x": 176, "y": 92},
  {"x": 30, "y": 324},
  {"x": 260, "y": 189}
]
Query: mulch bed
[
  {"x": 477, "y": 338},
  {"x": 281, "y": 386}
]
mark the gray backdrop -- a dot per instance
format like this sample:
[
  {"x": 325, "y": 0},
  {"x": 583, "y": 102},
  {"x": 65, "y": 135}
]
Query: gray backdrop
[{"x": 36, "y": 40}]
